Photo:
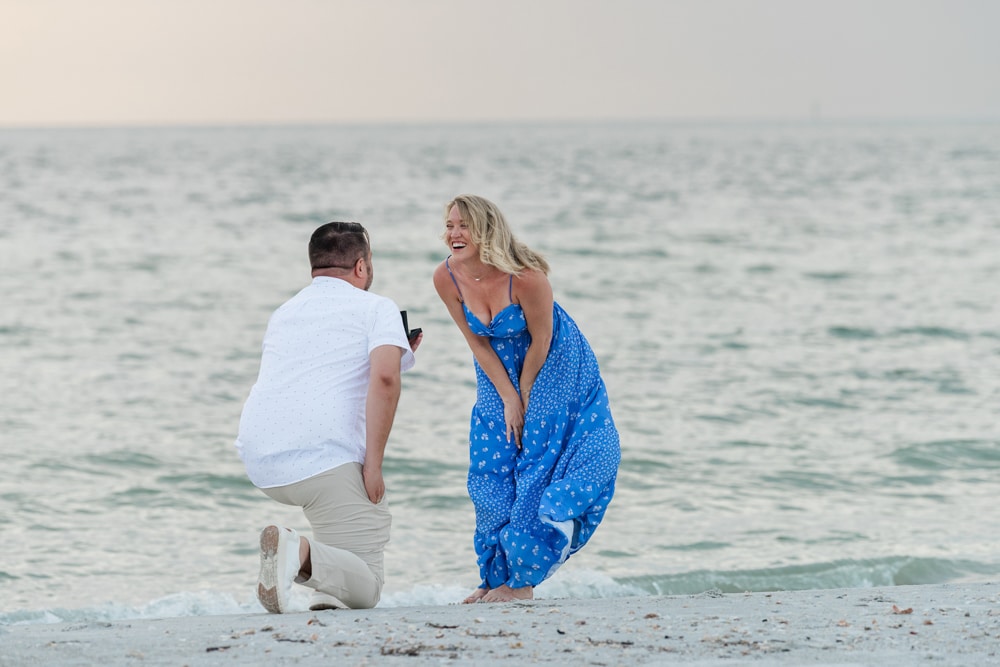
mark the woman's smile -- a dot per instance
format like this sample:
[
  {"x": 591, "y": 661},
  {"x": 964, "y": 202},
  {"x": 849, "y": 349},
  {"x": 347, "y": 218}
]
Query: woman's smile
[{"x": 457, "y": 231}]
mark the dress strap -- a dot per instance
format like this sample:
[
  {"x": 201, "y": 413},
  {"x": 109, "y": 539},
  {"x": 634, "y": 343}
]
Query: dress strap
[
  {"x": 510, "y": 289},
  {"x": 448, "y": 266}
]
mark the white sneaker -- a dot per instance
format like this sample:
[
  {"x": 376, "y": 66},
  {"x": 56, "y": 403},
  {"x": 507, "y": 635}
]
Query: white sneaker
[
  {"x": 321, "y": 601},
  {"x": 279, "y": 566}
]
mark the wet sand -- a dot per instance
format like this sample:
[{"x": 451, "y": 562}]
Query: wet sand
[{"x": 941, "y": 625}]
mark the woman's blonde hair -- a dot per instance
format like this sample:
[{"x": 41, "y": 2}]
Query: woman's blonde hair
[{"x": 489, "y": 230}]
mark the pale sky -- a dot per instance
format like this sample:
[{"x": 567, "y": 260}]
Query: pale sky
[{"x": 125, "y": 62}]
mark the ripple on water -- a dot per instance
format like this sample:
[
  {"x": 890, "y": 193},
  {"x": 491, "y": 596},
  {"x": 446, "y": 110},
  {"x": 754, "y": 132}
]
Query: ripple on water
[
  {"x": 807, "y": 481},
  {"x": 939, "y": 455},
  {"x": 932, "y": 332},
  {"x": 853, "y": 333}
]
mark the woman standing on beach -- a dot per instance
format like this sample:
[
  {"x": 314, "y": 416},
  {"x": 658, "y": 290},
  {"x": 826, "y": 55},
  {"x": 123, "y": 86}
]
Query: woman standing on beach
[{"x": 543, "y": 447}]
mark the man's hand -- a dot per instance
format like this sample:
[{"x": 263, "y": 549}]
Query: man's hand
[
  {"x": 374, "y": 484},
  {"x": 415, "y": 342}
]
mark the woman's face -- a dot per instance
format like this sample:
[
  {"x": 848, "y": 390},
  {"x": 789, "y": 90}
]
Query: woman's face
[{"x": 457, "y": 236}]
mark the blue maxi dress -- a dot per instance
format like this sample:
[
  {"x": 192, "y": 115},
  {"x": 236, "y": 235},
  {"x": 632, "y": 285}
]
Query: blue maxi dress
[{"x": 537, "y": 505}]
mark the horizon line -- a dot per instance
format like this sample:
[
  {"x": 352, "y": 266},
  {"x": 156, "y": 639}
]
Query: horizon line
[{"x": 645, "y": 120}]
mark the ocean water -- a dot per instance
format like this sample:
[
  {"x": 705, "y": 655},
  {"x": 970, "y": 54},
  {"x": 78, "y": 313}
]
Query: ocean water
[{"x": 797, "y": 324}]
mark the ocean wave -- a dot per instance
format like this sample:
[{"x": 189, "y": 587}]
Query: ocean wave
[{"x": 850, "y": 573}]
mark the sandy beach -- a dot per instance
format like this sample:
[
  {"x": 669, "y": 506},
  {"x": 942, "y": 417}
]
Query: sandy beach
[{"x": 906, "y": 625}]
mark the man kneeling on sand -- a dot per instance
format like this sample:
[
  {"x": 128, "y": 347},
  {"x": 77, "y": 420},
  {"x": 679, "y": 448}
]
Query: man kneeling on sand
[{"x": 315, "y": 425}]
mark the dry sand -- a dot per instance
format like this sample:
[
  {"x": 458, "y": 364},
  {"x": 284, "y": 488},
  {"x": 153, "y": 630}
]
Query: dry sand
[{"x": 904, "y": 625}]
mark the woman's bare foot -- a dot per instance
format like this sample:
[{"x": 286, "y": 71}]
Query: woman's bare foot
[
  {"x": 507, "y": 594},
  {"x": 476, "y": 596}
]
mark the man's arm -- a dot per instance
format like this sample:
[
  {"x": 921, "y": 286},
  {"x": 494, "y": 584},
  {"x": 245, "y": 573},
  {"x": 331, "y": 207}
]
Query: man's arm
[{"x": 380, "y": 410}]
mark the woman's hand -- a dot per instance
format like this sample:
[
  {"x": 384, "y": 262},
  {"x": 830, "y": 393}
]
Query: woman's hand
[{"x": 513, "y": 416}]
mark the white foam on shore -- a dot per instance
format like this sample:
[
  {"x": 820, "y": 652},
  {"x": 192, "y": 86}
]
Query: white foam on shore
[
  {"x": 575, "y": 584},
  {"x": 579, "y": 585}
]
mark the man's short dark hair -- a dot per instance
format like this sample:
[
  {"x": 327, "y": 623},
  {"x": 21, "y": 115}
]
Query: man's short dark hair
[{"x": 338, "y": 245}]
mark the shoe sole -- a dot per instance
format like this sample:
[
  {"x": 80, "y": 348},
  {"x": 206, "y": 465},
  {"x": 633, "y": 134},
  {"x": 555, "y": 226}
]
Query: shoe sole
[{"x": 268, "y": 583}]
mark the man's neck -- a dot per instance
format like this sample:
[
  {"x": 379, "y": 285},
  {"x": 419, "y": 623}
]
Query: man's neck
[
  {"x": 332, "y": 273},
  {"x": 347, "y": 276}
]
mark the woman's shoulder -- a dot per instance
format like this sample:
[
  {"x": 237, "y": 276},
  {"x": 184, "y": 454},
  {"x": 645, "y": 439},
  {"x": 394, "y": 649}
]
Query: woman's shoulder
[
  {"x": 530, "y": 285},
  {"x": 441, "y": 270},
  {"x": 443, "y": 280},
  {"x": 530, "y": 278}
]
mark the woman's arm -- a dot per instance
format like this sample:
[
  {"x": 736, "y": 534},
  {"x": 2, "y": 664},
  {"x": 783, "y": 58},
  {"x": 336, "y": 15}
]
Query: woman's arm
[
  {"x": 534, "y": 293},
  {"x": 484, "y": 354}
]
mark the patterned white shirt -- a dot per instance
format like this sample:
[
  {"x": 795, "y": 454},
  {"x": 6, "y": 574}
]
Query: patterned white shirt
[{"x": 306, "y": 412}]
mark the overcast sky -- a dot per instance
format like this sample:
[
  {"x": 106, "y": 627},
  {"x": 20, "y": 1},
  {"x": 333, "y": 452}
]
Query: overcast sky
[{"x": 113, "y": 62}]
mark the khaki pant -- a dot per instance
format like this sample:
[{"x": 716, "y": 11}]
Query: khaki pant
[{"x": 349, "y": 534}]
